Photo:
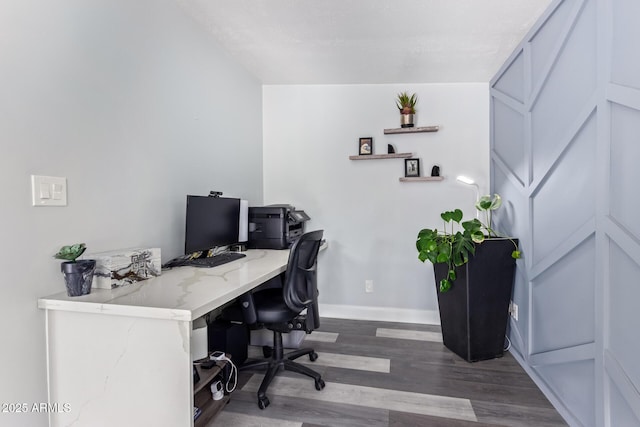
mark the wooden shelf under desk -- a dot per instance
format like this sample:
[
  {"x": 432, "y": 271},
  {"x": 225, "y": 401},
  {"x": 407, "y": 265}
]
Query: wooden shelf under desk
[
  {"x": 206, "y": 375},
  {"x": 210, "y": 409},
  {"x": 382, "y": 156},
  {"x": 202, "y": 394}
]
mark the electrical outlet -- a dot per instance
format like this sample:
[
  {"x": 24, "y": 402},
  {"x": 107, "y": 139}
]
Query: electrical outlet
[
  {"x": 513, "y": 310},
  {"x": 368, "y": 285}
]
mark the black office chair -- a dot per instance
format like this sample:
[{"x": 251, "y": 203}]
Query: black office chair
[{"x": 278, "y": 309}]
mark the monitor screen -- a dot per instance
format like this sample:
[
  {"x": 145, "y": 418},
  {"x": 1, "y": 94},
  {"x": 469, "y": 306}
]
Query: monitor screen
[{"x": 211, "y": 222}]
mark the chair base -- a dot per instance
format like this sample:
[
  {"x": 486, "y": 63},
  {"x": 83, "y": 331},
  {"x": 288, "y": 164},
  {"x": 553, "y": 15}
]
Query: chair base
[{"x": 278, "y": 361}]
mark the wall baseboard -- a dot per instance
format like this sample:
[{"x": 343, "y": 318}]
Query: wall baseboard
[{"x": 359, "y": 312}]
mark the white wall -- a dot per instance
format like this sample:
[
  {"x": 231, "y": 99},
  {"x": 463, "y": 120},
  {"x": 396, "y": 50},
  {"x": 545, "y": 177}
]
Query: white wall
[
  {"x": 136, "y": 107},
  {"x": 370, "y": 219}
]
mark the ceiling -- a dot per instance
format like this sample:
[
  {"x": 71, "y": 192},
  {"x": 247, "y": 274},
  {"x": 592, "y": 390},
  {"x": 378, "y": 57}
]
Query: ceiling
[{"x": 368, "y": 41}]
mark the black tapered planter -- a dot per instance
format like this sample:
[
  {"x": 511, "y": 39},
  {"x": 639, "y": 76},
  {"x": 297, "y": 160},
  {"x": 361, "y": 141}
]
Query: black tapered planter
[
  {"x": 475, "y": 311},
  {"x": 78, "y": 276}
]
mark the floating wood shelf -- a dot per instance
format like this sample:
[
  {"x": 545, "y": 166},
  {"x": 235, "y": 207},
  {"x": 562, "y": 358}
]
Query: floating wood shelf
[
  {"x": 382, "y": 156},
  {"x": 412, "y": 130},
  {"x": 420, "y": 178}
]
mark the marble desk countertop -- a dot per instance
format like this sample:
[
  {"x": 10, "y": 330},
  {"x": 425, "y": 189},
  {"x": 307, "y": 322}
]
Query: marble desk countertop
[{"x": 183, "y": 293}]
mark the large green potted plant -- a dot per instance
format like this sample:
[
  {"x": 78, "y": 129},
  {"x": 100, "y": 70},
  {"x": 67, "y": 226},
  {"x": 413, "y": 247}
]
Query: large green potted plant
[
  {"x": 474, "y": 270},
  {"x": 78, "y": 275}
]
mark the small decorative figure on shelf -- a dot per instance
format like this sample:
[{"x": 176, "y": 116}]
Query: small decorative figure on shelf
[
  {"x": 435, "y": 170},
  {"x": 390, "y": 149}
]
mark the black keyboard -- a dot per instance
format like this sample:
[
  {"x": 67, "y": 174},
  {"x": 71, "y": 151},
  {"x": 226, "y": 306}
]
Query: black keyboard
[{"x": 216, "y": 260}]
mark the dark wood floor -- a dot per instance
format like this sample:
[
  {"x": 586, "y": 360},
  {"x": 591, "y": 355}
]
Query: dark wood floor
[{"x": 426, "y": 385}]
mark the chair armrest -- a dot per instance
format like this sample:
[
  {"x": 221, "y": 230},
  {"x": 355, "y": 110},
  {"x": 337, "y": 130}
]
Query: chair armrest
[
  {"x": 248, "y": 308},
  {"x": 313, "y": 316}
]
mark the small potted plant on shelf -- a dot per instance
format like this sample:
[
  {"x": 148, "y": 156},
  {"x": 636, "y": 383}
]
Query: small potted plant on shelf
[
  {"x": 407, "y": 106},
  {"x": 474, "y": 269},
  {"x": 78, "y": 275}
]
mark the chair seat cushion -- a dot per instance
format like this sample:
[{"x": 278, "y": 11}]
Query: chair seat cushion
[{"x": 271, "y": 308}]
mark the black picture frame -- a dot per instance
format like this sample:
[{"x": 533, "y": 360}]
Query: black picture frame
[
  {"x": 365, "y": 146},
  {"x": 411, "y": 168}
]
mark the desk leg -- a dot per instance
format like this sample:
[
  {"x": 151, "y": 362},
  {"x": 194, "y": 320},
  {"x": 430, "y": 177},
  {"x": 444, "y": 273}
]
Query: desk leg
[{"x": 107, "y": 370}]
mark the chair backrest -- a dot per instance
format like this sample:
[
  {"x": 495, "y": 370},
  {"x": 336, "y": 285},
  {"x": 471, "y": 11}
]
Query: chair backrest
[{"x": 300, "y": 289}]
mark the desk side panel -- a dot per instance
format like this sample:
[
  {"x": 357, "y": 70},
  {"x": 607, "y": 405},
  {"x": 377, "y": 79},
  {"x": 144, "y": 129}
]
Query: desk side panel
[{"x": 118, "y": 371}]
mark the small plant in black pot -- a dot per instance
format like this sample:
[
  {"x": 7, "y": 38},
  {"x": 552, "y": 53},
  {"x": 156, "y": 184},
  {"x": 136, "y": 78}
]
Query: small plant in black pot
[
  {"x": 474, "y": 270},
  {"x": 78, "y": 275}
]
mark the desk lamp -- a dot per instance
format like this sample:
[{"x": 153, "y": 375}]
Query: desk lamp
[{"x": 466, "y": 180}]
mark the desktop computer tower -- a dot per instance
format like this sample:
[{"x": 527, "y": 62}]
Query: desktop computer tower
[{"x": 230, "y": 337}]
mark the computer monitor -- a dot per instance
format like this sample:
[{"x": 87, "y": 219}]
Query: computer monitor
[{"x": 211, "y": 222}]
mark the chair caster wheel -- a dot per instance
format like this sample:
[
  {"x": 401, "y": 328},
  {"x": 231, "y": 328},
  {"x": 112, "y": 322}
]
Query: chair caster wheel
[
  {"x": 263, "y": 402},
  {"x": 267, "y": 351},
  {"x": 319, "y": 384},
  {"x": 313, "y": 356}
]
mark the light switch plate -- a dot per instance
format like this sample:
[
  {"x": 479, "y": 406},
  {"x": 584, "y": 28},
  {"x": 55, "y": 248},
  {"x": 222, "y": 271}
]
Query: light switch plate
[{"x": 48, "y": 190}]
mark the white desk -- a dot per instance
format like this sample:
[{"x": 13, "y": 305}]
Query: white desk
[{"x": 122, "y": 357}]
